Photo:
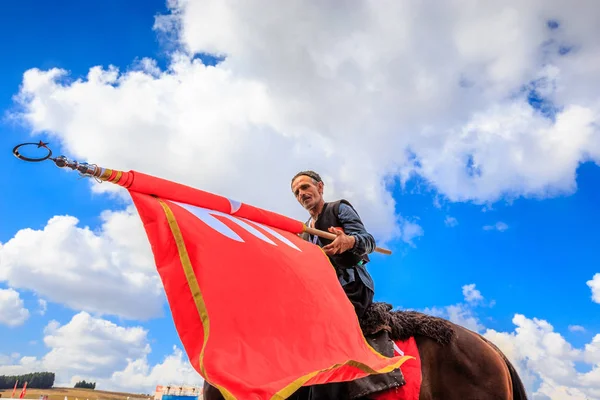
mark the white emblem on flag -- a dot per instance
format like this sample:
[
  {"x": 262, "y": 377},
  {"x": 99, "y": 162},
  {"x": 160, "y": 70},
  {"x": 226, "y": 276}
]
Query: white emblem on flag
[
  {"x": 208, "y": 217},
  {"x": 277, "y": 235},
  {"x": 235, "y": 205},
  {"x": 248, "y": 228}
]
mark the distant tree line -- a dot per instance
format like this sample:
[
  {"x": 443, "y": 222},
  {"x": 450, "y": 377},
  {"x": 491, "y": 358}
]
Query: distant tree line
[
  {"x": 85, "y": 385},
  {"x": 36, "y": 380}
]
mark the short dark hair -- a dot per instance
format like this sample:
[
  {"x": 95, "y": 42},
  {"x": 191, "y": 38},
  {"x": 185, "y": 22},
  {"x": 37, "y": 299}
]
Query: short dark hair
[{"x": 311, "y": 174}]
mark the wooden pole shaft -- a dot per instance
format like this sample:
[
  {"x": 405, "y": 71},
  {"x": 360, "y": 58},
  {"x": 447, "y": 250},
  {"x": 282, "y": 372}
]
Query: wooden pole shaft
[{"x": 331, "y": 236}]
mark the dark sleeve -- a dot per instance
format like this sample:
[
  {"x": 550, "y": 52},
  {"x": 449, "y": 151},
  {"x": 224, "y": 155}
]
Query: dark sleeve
[{"x": 365, "y": 243}]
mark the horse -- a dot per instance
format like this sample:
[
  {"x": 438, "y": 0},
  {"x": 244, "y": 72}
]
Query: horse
[{"x": 456, "y": 363}]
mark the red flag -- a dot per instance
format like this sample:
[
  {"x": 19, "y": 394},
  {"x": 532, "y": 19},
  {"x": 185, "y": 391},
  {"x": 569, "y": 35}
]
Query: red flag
[
  {"x": 23, "y": 391},
  {"x": 260, "y": 311},
  {"x": 14, "y": 389}
]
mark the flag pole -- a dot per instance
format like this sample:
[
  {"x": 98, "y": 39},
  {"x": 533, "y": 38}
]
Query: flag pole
[
  {"x": 114, "y": 176},
  {"x": 84, "y": 169},
  {"x": 331, "y": 236}
]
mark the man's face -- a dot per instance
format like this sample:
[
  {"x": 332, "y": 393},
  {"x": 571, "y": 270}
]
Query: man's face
[{"x": 307, "y": 193}]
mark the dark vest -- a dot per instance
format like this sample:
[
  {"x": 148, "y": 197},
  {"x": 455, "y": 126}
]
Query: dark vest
[{"x": 328, "y": 218}]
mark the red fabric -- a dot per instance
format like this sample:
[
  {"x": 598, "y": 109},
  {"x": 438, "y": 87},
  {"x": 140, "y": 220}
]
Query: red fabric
[
  {"x": 24, "y": 391},
  {"x": 412, "y": 373},
  {"x": 274, "y": 313},
  {"x": 168, "y": 190},
  {"x": 125, "y": 180}
]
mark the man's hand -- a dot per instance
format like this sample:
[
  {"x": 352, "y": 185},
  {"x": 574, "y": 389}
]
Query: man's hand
[{"x": 341, "y": 243}]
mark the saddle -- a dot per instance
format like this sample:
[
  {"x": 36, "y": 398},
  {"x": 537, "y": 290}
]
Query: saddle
[{"x": 376, "y": 325}]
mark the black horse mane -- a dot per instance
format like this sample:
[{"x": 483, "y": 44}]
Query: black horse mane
[{"x": 403, "y": 324}]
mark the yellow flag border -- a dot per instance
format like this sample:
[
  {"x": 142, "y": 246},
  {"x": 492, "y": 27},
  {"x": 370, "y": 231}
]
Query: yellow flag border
[{"x": 289, "y": 389}]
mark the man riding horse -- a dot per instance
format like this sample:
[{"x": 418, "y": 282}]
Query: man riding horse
[
  {"x": 454, "y": 362},
  {"x": 348, "y": 253}
]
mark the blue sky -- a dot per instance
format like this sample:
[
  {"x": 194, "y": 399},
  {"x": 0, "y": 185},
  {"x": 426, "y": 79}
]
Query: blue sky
[
  {"x": 76, "y": 37},
  {"x": 538, "y": 266}
]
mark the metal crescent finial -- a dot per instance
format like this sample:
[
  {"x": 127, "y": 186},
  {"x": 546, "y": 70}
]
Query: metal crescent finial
[
  {"x": 40, "y": 144},
  {"x": 84, "y": 169}
]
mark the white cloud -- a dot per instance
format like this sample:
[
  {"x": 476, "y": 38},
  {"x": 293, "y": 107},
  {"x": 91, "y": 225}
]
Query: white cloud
[
  {"x": 498, "y": 226},
  {"x": 451, "y": 221},
  {"x": 549, "y": 391},
  {"x": 546, "y": 361},
  {"x": 362, "y": 95},
  {"x": 101, "y": 351},
  {"x": 462, "y": 314},
  {"x": 85, "y": 345},
  {"x": 411, "y": 231},
  {"x": 594, "y": 284},
  {"x": 12, "y": 308},
  {"x": 175, "y": 369},
  {"x": 471, "y": 294},
  {"x": 93, "y": 346},
  {"x": 110, "y": 271},
  {"x": 576, "y": 328},
  {"x": 8, "y": 358},
  {"x": 370, "y": 97},
  {"x": 43, "y": 306},
  {"x": 116, "y": 357}
]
